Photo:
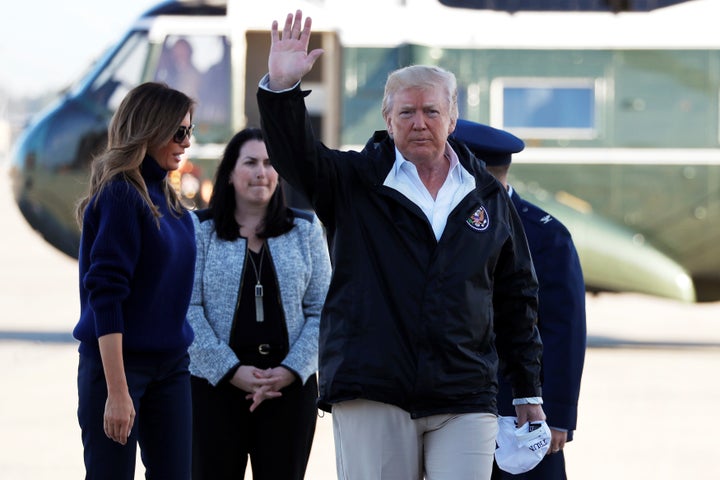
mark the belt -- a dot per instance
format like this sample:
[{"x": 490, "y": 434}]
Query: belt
[{"x": 261, "y": 348}]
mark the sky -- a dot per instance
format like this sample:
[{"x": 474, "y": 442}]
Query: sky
[{"x": 47, "y": 44}]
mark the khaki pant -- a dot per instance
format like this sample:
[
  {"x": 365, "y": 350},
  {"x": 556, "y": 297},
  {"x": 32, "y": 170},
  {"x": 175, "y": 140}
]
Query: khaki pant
[{"x": 377, "y": 441}]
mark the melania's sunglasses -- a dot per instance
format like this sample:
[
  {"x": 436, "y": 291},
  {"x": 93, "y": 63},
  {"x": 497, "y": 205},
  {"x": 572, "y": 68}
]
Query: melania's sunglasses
[{"x": 183, "y": 132}]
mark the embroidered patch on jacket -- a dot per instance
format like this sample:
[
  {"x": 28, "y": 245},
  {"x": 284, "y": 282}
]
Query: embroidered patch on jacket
[{"x": 479, "y": 220}]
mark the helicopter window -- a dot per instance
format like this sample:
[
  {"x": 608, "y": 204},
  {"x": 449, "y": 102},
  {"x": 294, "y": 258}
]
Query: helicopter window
[
  {"x": 124, "y": 71},
  {"x": 557, "y": 108},
  {"x": 199, "y": 66}
]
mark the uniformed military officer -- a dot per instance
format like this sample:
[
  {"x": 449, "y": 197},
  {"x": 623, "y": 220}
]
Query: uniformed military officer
[{"x": 561, "y": 312}]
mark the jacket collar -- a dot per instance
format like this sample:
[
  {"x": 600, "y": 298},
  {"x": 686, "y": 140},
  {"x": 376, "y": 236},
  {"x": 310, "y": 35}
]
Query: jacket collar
[{"x": 380, "y": 149}]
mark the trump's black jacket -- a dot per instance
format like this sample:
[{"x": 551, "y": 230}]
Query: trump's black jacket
[{"x": 409, "y": 320}]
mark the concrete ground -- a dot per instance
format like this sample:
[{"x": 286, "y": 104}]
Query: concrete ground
[{"x": 645, "y": 409}]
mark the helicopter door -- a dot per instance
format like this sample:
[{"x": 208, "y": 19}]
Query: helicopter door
[{"x": 324, "y": 80}]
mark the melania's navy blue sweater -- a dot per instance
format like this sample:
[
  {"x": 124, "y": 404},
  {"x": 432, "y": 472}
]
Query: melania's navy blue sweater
[{"x": 135, "y": 278}]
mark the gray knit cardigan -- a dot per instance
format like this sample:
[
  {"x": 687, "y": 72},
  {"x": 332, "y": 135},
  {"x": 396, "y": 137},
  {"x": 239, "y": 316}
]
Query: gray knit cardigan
[{"x": 302, "y": 265}]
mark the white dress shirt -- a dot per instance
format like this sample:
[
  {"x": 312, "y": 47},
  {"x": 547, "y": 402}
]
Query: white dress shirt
[{"x": 404, "y": 178}]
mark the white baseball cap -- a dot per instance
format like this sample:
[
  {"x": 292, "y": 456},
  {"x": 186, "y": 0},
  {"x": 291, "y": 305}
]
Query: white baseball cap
[{"x": 521, "y": 449}]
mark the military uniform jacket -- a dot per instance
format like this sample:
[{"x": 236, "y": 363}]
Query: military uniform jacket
[
  {"x": 561, "y": 316},
  {"x": 408, "y": 320}
]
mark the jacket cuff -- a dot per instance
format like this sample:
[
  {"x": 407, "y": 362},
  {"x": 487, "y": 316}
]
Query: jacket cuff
[{"x": 230, "y": 373}]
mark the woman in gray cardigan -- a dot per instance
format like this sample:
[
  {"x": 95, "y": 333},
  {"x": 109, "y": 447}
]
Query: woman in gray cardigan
[{"x": 261, "y": 275}]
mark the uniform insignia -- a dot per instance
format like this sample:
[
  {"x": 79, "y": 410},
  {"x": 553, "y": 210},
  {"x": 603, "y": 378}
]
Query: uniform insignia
[
  {"x": 479, "y": 220},
  {"x": 546, "y": 219}
]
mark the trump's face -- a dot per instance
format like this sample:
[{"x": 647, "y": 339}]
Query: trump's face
[{"x": 420, "y": 123}]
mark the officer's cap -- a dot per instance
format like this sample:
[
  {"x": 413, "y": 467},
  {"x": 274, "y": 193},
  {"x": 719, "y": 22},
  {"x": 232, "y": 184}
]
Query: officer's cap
[{"x": 491, "y": 145}]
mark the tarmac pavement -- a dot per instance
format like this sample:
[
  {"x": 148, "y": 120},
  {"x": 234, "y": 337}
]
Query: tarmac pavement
[{"x": 649, "y": 386}]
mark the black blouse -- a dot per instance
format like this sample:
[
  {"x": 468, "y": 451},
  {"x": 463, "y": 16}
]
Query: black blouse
[{"x": 262, "y": 344}]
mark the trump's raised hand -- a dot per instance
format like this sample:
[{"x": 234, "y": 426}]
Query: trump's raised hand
[{"x": 289, "y": 59}]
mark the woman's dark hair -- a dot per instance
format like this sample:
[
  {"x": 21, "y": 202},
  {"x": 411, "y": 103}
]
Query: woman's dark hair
[{"x": 278, "y": 218}]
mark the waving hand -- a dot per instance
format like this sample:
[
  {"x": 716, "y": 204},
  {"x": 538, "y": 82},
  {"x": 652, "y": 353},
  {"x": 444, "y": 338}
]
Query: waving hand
[{"x": 289, "y": 59}]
